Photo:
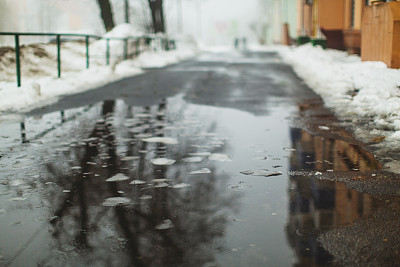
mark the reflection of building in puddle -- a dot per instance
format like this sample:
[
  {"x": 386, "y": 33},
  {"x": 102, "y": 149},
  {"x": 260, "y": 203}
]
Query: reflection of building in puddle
[
  {"x": 316, "y": 205},
  {"x": 155, "y": 222},
  {"x": 323, "y": 154}
]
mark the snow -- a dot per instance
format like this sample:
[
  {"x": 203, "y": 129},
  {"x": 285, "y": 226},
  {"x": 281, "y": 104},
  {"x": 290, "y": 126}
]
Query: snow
[
  {"x": 40, "y": 86},
  {"x": 353, "y": 89},
  {"x": 335, "y": 76},
  {"x": 123, "y": 30}
]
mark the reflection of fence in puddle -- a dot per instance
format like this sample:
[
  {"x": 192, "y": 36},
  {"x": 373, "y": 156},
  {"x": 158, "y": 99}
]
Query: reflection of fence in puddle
[
  {"x": 316, "y": 205},
  {"x": 29, "y": 133},
  {"x": 195, "y": 215}
]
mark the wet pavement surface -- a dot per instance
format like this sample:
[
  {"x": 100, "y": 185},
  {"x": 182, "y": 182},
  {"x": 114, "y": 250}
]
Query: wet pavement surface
[{"x": 226, "y": 160}]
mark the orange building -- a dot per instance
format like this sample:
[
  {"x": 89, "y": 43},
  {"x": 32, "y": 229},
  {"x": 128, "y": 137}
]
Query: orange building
[
  {"x": 369, "y": 28},
  {"x": 339, "y": 21}
]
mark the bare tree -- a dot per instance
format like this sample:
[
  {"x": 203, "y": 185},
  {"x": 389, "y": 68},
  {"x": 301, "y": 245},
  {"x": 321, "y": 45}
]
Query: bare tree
[
  {"x": 157, "y": 15},
  {"x": 106, "y": 14}
]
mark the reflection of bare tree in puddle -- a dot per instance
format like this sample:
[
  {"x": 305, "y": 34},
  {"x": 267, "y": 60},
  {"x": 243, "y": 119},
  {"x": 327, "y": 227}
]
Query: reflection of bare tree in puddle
[
  {"x": 317, "y": 206},
  {"x": 194, "y": 218}
]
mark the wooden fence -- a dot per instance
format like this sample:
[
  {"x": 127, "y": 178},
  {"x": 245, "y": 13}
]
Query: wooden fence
[{"x": 381, "y": 34}]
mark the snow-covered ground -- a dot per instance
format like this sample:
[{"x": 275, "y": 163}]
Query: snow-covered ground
[
  {"x": 366, "y": 94},
  {"x": 40, "y": 84}
]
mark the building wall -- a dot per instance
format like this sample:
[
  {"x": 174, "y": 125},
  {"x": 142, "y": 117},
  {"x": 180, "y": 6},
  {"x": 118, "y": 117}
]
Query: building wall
[
  {"x": 280, "y": 12},
  {"x": 304, "y": 19},
  {"x": 359, "y": 7},
  {"x": 277, "y": 21},
  {"x": 292, "y": 17},
  {"x": 381, "y": 34},
  {"x": 338, "y": 14},
  {"x": 331, "y": 14}
]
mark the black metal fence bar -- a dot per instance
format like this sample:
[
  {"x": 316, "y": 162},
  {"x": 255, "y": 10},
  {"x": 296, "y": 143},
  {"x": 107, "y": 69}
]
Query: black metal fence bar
[{"x": 18, "y": 60}]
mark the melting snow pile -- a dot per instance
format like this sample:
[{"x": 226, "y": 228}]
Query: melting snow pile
[
  {"x": 349, "y": 86},
  {"x": 39, "y": 68},
  {"x": 359, "y": 91}
]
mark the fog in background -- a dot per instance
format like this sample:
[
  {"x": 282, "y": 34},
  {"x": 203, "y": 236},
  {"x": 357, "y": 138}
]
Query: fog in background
[{"x": 212, "y": 22}]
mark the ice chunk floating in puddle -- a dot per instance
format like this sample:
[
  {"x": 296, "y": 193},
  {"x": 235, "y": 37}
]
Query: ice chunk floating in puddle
[
  {"x": 129, "y": 158},
  {"x": 264, "y": 173},
  {"x": 137, "y": 182},
  {"x": 163, "y": 140},
  {"x": 166, "y": 224},
  {"x": 162, "y": 161},
  {"x": 181, "y": 185},
  {"x": 161, "y": 185},
  {"x": 116, "y": 201},
  {"x": 118, "y": 178},
  {"x": 324, "y": 128},
  {"x": 202, "y": 171},
  {"x": 192, "y": 159},
  {"x": 219, "y": 157},
  {"x": 200, "y": 154}
]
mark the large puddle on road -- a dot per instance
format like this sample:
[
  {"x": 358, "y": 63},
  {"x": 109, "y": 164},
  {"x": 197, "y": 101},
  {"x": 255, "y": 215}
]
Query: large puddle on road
[{"x": 175, "y": 184}]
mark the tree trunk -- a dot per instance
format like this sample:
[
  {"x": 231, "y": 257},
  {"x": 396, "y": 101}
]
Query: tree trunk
[
  {"x": 157, "y": 15},
  {"x": 106, "y": 14}
]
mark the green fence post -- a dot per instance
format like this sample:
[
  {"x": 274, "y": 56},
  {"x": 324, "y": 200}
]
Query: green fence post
[
  {"x": 87, "y": 51},
  {"x": 137, "y": 46},
  {"x": 108, "y": 51},
  {"x": 125, "y": 49},
  {"x": 18, "y": 60},
  {"x": 58, "y": 55},
  {"x": 126, "y": 11}
]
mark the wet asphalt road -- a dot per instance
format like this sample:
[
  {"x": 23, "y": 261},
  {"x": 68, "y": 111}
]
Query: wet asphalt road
[{"x": 249, "y": 169}]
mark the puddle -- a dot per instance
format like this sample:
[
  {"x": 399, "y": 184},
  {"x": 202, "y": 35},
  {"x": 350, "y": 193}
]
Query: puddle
[
  {"x": 179, "y": 184},
  {"x": 216, "y": 197}
]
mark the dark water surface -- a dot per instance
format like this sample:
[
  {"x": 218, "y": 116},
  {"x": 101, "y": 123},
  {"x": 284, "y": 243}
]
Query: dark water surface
[{"x": 214, "y": 205}]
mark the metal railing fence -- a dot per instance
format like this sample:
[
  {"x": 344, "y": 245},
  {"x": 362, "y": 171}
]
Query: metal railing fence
[{"x": 164, "y": 44}]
